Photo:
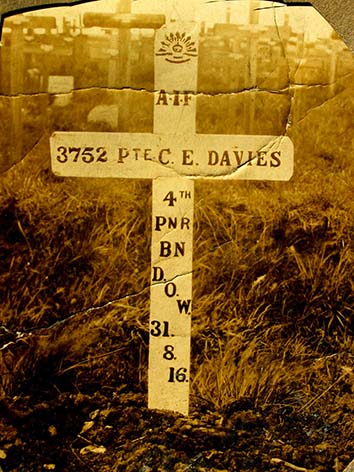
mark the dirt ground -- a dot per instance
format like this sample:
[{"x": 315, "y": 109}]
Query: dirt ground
[{"x": 113, "y": 430}]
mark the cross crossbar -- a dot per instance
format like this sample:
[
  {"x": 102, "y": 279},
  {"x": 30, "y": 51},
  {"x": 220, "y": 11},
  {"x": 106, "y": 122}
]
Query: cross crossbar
[{"x": 124, "y": 20}]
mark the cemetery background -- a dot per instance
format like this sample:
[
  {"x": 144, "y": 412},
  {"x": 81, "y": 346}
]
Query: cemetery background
[{"x": 273, "y": 263}]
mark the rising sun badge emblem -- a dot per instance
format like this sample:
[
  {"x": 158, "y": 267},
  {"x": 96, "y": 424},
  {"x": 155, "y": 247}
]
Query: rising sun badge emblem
[{"x": 177, "y": 48}]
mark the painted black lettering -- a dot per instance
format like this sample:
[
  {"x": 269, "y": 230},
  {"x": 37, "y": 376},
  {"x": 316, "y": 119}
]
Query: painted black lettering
[
  {"x": 187, "y": 157},
  {"x": 157, "y": 274},
  {"x": 184, "y": 306},
  {"x": 185, "y": 222},
  {"x": 275, "y": 159},
  {"x": 261, "y": 155},
  {"x": 161, "y": 155},
  {"x": 187, "y": 97},
  {"x": 239, "y": 157},
  {"x": 213, "y": 158},
  {"x": 123, "y": 153},
  {"x": 162, "y": 98},
  {"x": 225, "y": 160}
]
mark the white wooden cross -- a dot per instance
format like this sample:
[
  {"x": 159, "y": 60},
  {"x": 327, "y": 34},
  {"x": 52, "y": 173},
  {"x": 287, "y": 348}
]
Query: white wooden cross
[{"x": 172, "y": 156}]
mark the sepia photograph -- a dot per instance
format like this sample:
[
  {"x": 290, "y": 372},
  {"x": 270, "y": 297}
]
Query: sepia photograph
[{"x": 176, "y": 248}]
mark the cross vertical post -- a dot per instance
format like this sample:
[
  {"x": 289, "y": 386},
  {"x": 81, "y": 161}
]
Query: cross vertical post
[
  {"x": 123, "y": 64},
  {"x": 119, "y": 67},
  {"x": 176, "y": 71}
]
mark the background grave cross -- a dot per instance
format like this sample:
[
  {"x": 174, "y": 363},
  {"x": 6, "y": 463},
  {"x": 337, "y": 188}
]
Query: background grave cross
[{"x": 172, "y": 156}]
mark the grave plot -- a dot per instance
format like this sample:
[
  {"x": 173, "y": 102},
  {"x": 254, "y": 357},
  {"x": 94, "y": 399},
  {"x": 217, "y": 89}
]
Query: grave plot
[{"x": 169, "y": 156}]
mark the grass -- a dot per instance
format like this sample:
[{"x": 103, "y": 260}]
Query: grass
[
  {"x": 274, "y": 297},
  {"x": 273, "y": 276}
]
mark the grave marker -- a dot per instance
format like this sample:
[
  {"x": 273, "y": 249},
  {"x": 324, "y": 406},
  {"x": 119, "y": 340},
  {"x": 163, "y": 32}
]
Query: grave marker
[
  {"x": 61, "y": 86},
  {"x": 58, "y": 84},
  {"x": 173, "y": 156}
]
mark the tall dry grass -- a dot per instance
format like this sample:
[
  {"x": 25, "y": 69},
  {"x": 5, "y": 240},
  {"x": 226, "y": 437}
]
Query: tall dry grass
[{"x": 273, "y": 278}]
